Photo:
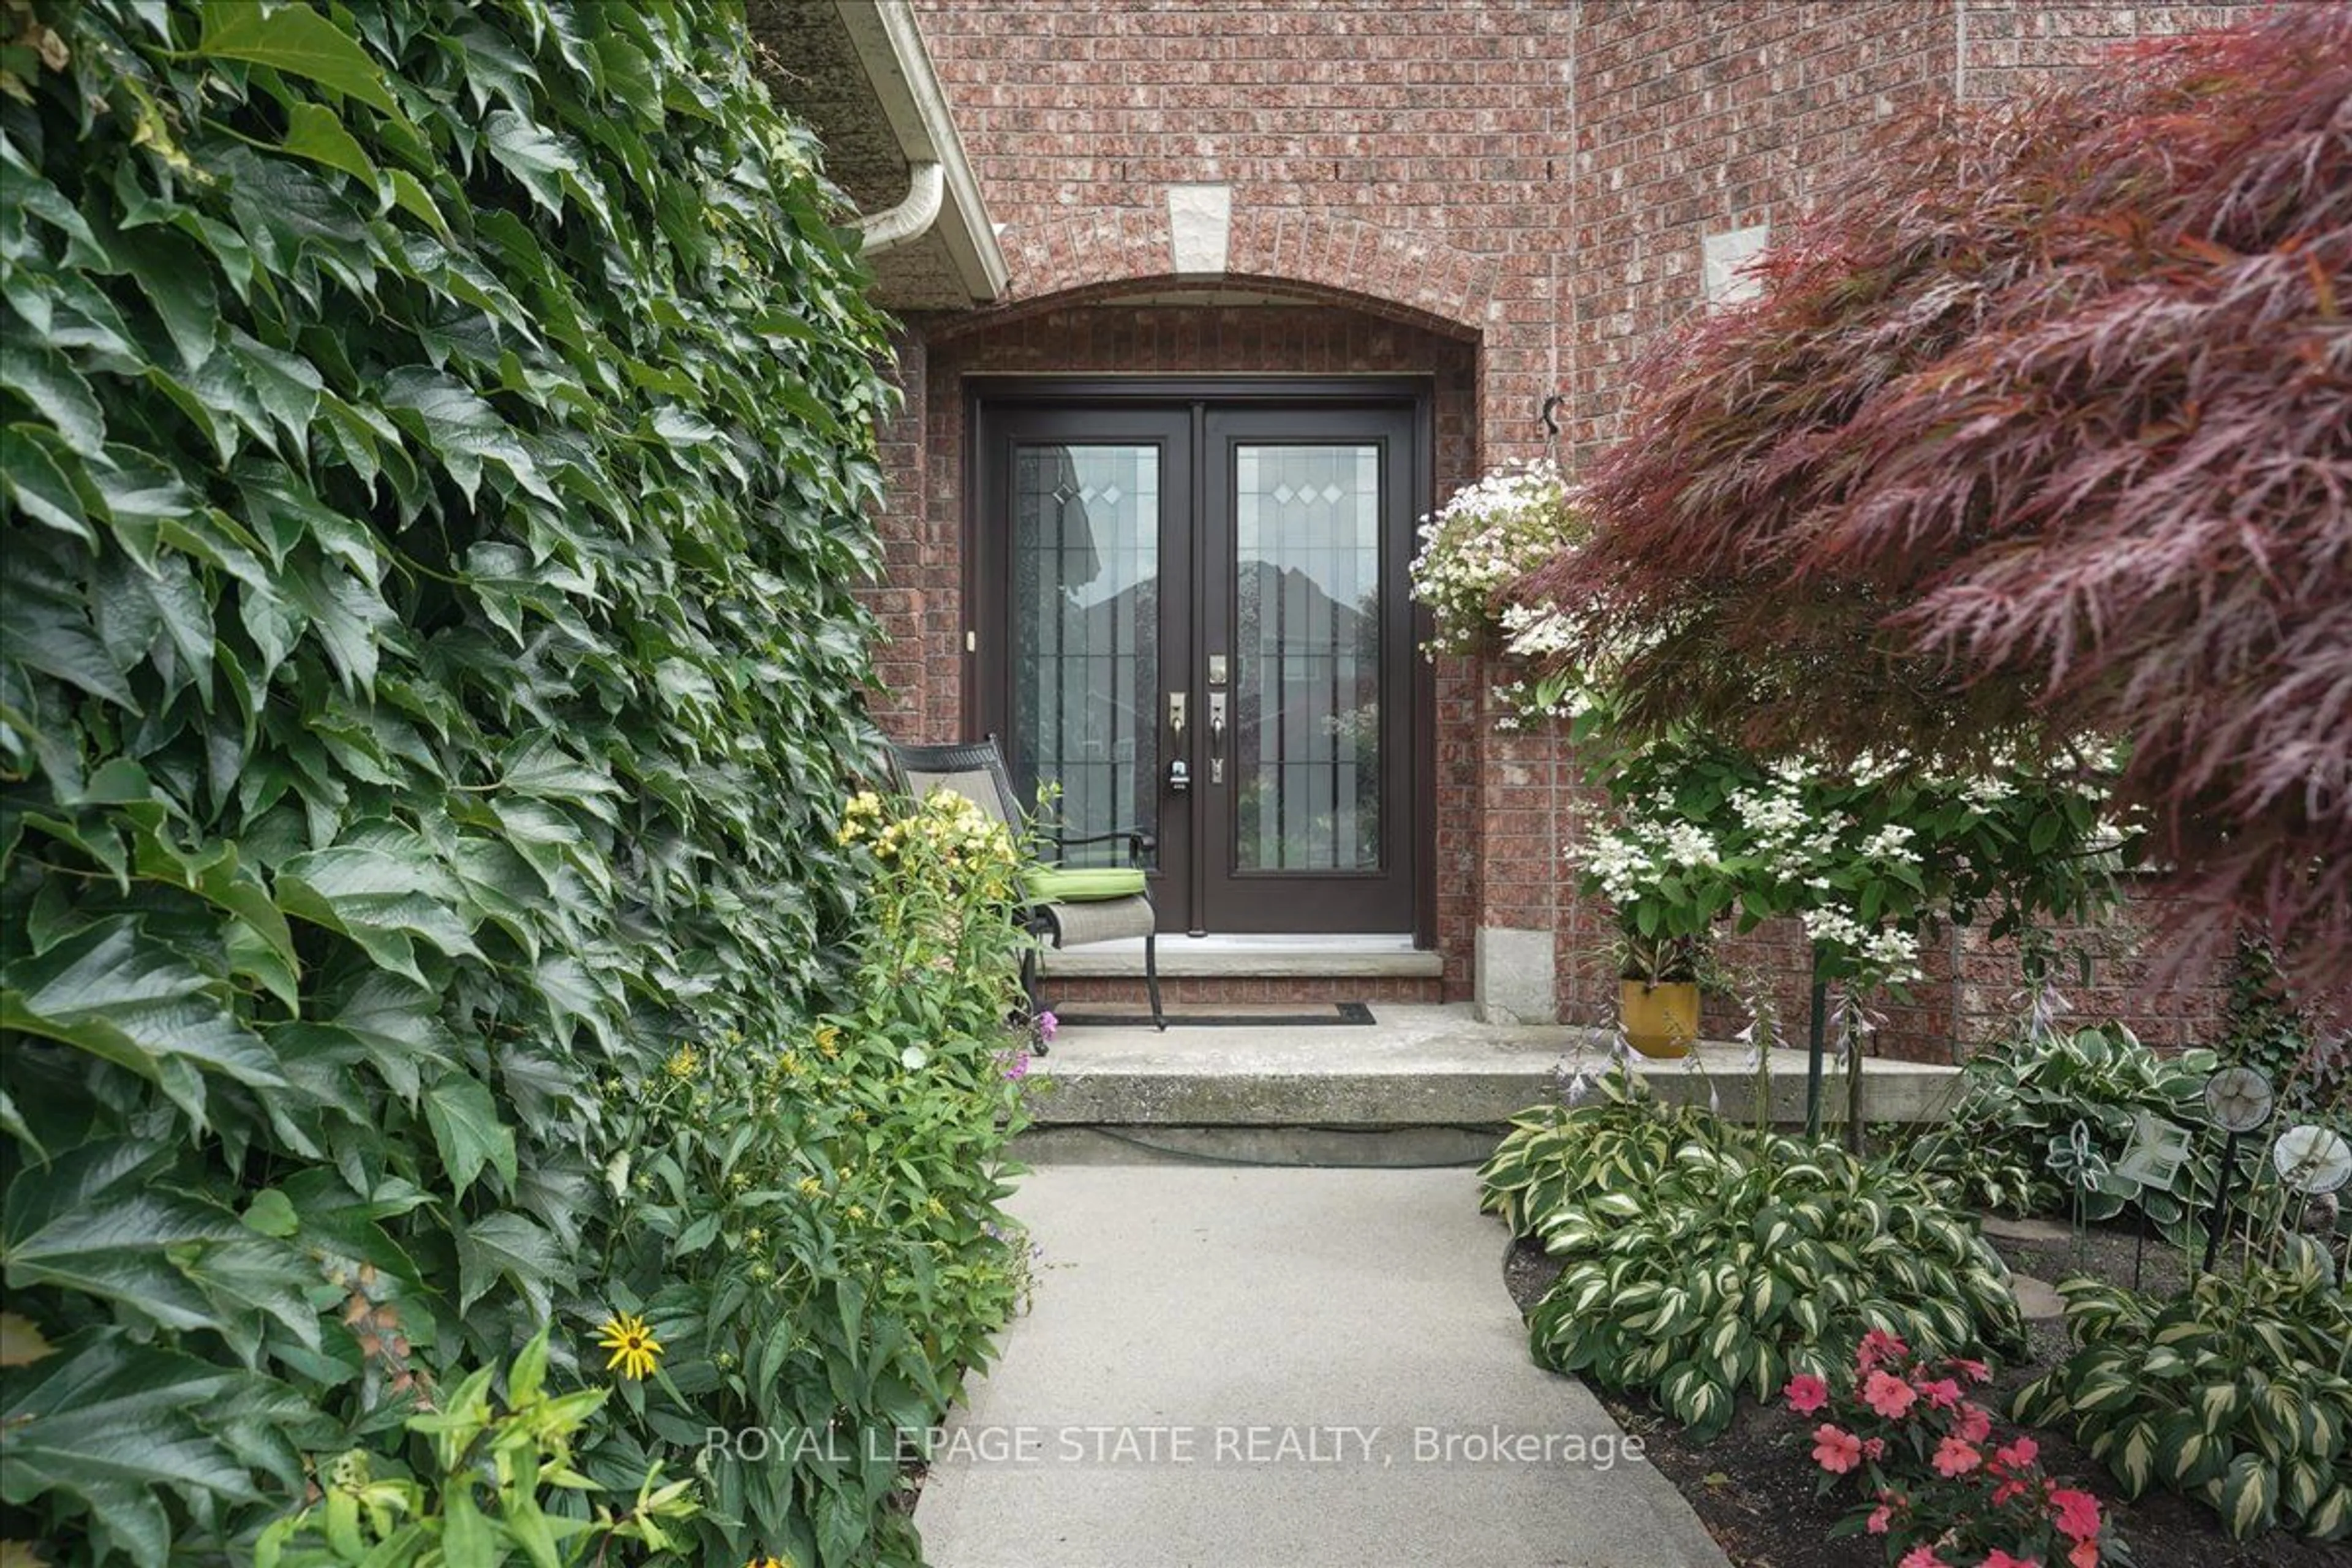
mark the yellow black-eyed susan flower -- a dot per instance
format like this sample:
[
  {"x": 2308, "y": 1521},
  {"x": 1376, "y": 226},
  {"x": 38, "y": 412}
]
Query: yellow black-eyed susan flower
[{"x": 635, "y": 1351}]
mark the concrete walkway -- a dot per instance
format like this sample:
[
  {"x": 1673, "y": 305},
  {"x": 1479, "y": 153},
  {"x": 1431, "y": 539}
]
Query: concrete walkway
[{"x": 1265, "y": 1368}]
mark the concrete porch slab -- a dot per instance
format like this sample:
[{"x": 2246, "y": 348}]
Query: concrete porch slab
[{"x": 1419, "y": 1064}]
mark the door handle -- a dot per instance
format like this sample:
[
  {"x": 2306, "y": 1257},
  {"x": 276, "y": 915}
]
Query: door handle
[
  {"x": 1176, "y": 716},
  {"x": 1216, "y": 736}
]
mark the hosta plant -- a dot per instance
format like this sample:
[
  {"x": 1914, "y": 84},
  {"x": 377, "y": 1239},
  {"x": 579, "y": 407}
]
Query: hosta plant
[
  {"x": 2238, "y": 1394},
  {"x": 1706, "y": 1259},
  {"x": 1937, "y": 1482},
  {"x": 2008, "y": 1143},
  {"x": 1553, "y": 1157}
]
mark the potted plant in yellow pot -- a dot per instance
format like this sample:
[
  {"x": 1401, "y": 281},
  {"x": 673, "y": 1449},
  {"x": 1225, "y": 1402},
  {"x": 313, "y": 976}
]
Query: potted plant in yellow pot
[
  {"x": 1662, "y": 870},
  {"x": 1658, "y": 984}
]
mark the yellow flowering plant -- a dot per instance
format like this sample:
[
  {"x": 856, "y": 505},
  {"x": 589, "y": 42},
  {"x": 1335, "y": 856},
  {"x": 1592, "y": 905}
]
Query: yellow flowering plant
[
  {"x": 813, "y": 1220},
  {"x": 375, "y": 1511},
  {"x": 635, "y": 1351}
]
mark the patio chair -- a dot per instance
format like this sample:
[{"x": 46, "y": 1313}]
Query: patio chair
[{"x": 1069, "y": 906}]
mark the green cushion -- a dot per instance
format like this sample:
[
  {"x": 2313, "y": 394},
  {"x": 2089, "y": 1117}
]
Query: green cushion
[{"x": 1084, "y": 884}]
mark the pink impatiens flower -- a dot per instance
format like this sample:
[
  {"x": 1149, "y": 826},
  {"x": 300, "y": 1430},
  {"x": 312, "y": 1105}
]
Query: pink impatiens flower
[
  {"x": 2085, "y": 1554},
  {"x": 1877, "y": 1521},
  {"x": 1997, "y": 1558},
  {"x": 1943, "y": 1394},
  {"x": 1835, "y": 1449},
  {"x": 1888, "y": 1395},
  {"x": 1806, "y": 1394},
  {"x": 1922, "y": 1557},
  {"x": 2020, "y": 1453},
  {"x": 1954, "y": 1457},
  {"x": 1878, "y": 1347},
  {"x": 1975, "y": 1425},
  {"x": 1873, "y": 1448},
  {"x": 2077, "y": 1514},
  {"x": 1974, "y": 1370}
]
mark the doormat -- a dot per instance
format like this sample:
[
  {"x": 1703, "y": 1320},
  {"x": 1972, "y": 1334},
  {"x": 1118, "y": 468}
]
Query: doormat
[{"x": 1227, "y": 1017}]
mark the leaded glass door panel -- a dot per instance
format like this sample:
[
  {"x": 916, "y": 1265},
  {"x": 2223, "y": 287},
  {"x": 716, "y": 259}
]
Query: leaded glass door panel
[
  {"x": 1093, "y": 511},
  {"x": 1307, "y": 823}
]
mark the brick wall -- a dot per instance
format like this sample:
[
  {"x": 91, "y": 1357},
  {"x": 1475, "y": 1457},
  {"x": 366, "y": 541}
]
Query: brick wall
[
  {"x": 1693, "y": 120},
  {"x": 2012, "y": 46},
  {"x": 1512, "y": 197},
  {"x": 914, "y": 564}
]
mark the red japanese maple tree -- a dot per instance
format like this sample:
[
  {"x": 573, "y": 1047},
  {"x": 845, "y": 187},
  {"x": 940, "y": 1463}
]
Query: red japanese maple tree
[{"x": 2042, "y": 429}]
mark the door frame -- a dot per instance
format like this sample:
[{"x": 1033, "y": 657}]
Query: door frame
[{"x": 985, "y": 628}]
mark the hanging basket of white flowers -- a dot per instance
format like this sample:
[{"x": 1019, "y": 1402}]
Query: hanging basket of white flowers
[{"x": 1486, "y": 537}]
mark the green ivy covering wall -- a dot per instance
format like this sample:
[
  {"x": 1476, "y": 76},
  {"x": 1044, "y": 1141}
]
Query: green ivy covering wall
[{"x": 436, "y": 437}]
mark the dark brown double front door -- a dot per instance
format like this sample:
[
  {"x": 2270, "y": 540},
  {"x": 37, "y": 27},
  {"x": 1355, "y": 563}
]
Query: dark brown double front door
[{"x": 1192, "y": 617}]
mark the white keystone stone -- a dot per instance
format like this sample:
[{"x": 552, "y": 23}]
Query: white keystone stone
[
  {"x": 1199, "y": 227},
  {"x": 1723, "y": 256}
]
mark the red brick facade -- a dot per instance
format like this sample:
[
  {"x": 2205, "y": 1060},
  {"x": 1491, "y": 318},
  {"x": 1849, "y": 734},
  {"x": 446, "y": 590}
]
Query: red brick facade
[{"x": 1509, "y": 197}]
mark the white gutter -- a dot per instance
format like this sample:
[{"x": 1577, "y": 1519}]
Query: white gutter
[
  {"x": 942, "y": 191},
  {"x": 910, "y": 219}
]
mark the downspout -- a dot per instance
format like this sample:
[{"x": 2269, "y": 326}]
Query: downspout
[{"x": 926, "y": 186}]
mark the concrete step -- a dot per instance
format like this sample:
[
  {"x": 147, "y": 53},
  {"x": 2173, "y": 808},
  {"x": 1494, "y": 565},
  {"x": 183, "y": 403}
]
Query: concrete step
[{"x": 1417, "y": 1066}]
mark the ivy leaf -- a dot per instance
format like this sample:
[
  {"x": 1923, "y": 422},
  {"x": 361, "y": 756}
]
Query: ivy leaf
[
  {"x": 411, "y": 196},
  {"x": 39, "y": 487},
  {"x": 44, "y": 379},
  {"x": 396, "y": 1025},
  {"x": 315, "y": 133},
  {"x": 287, "y": 384},
  {"x": 386, "y": 892},
  {"x": 351, "y": 618},
  {"x": 178, "y": 282},
  {"x": 271, "y": 1213},
  {"x": 120, "y": 994},
  {"x": 531, "y": 155},
  {"x": 509, "y": 1246},
  {"x": 466, "y": 1129},
  {"x": 95, "y": 1222},
  {"x": 108, "y": 1421},
  {"x": 460, "y": 428},
  {"x": 297, "y": 40}
]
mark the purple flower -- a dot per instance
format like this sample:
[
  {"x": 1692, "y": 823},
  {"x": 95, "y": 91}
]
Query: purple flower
[
  {"x": 1047, "y": 1025},
  {"x": 1017, "y": 1066}
]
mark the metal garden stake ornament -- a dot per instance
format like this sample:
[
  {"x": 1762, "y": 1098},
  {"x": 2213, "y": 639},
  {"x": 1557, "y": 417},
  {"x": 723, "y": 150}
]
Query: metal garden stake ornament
[{"x": 2238, "y": 1101}]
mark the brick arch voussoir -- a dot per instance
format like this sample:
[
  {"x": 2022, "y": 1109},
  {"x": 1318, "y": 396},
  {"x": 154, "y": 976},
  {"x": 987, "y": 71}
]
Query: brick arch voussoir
[{"x": 1091, "y": 257}]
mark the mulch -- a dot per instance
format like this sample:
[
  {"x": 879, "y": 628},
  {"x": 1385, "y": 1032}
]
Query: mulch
[{"x": 1753, "y": 1488}]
